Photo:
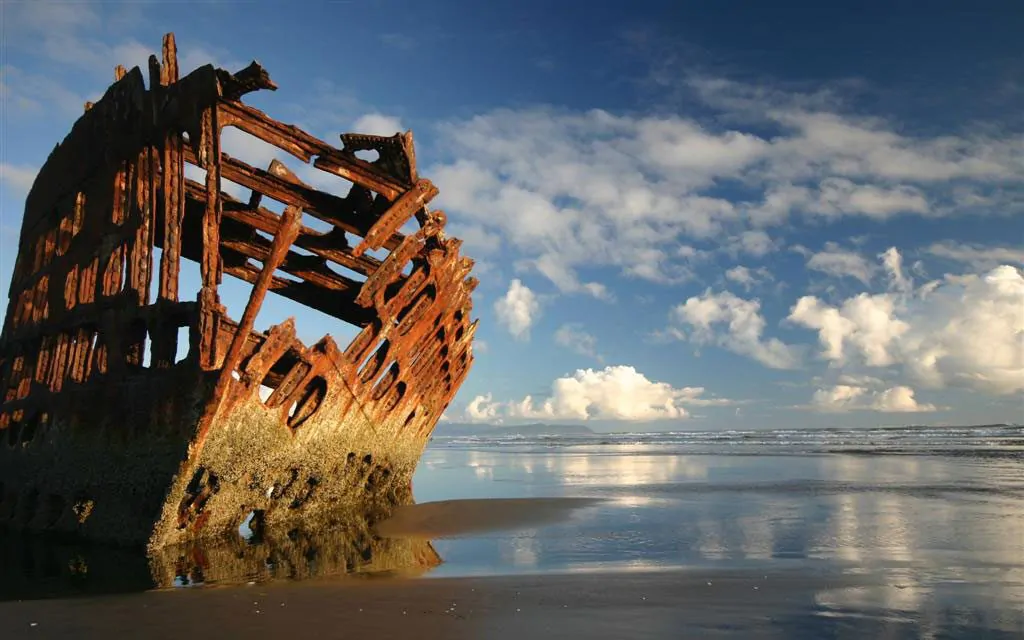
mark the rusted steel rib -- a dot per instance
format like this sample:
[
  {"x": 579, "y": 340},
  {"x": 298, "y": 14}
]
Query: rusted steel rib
[{"x": 142, "y": 416}]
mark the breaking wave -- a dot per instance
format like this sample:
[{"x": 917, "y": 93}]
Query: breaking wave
[{"x": 994, "y": 441}]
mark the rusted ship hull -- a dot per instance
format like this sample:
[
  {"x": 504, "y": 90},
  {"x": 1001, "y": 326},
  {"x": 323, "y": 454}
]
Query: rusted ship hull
[{"x": 105, "y": 435}]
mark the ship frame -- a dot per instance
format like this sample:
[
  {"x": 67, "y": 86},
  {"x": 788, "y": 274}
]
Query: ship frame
[{"x": 106, "y": 433}]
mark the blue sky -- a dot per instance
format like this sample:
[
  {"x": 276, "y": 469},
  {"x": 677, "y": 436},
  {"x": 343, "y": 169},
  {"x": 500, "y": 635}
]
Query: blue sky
[{"x": 684, "y": 215}]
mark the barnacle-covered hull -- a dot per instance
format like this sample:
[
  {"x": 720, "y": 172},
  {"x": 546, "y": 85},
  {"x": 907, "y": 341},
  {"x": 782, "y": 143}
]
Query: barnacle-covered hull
[{"x": 131, "y": 414}]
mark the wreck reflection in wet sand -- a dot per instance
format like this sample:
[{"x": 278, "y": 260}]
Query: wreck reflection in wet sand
[{"x": 33, "y": 567}]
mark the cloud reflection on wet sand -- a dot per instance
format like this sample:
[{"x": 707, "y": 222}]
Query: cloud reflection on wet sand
[{"x": 934, "y": 533}]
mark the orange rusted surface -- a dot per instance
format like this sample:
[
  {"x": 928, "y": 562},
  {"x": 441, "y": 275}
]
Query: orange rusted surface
[{"x": 129, "y": 412}]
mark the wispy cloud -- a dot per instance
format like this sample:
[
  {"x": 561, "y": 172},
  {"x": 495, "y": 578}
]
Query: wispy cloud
[
  {"x": 572, "y": 190},
  {"x": 574, "y": 337}
]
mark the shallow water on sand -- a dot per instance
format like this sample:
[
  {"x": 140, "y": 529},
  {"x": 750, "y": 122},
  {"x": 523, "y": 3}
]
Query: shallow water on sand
[
  {"x": 910, "y": 533},
  {"x": 935, "y": 519}
]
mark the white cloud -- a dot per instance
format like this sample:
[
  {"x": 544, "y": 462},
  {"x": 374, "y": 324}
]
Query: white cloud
[
  {"x": 864, "y": 323},
  {"x": 574, "y": 190},
  {"x": 377, "y": 124},
  {"x": 683, "y": 145},
  {"x": 838, "y": 398},
  {"x": 859, "y": 380},
  {"x": 30, "y": 94},
  {"x": 613, "y": 393},
  {"x": 838, "y": 263},
  {"x": 733, "y": 323},
  {"x": 88, "y": 36},
  {"x": 518, "y": 309},
  {"x": 832, "y": 197},
  {"x": 572, "y": 336},
  {"x": 965, "y": 331},
  {"x": 564, "y": 278},
  {"x": 192, "y": 56},
  {"x": 746, "y": 277},
  {"x": 978, "y": 257},
  {"x": 756, "y": 243},
  {"x": 62, "y": 17},
  {"x": 483, "y": 409},
  {"x": 843, "y": 397},
  {"x": 893, "y": 263},
  {"x": 477, "y": 239},
  {"x": 899, "y": 400},
  {"x": 570, "y": 190},
  {"x": 56, "y": 31},
  {"x": 821, "y": 137},
  {"x": 839, "y": 196}
]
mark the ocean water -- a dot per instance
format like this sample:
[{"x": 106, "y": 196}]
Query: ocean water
[{"x": 932, "y": 518}]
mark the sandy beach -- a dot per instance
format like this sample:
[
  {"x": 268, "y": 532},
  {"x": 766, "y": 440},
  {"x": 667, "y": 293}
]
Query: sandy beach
[
  {"x": 592, "y": 605},
  {"x": 594, "y": 539}
]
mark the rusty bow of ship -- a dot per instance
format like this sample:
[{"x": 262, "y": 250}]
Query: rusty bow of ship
[{"x": 131, "y": 413}]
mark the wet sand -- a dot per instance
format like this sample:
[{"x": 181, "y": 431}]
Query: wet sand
[
  {"x": 663, "y": 546},
  {"x": 391, "y": 605},
  {"x": 444, "y": 518},
  {"x": 591, "y": 605}
]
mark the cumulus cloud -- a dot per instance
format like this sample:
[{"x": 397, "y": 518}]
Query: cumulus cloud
[
  {"x": 572, "y": 336},
  {"x": 844, "y": 397},
  {"x": 377, "y": 124},
  {"x": 899, "y": 400},
  {"x": 965, "y": 330},
  {"x": 483, "y": 409},
  {"x": 837, "y": 398},
  {"x": 613, "y": 393},
  {"x": 839, "y": 263},
  {"x": 864, "y": 324},
  {"x": 731, "y": 322},
  {"x": 518, "y": 309}
]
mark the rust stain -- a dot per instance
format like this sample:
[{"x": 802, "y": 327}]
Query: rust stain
[{"x": 122, "y": 390}]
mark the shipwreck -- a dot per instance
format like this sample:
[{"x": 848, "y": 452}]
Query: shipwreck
[{"x": 112, "y": 428}]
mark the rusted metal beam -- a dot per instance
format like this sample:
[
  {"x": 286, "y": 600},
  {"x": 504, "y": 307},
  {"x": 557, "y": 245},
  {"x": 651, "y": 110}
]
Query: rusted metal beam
[
  {"x": 330, "y": 246},
  {"x": 324, "y": 206},
  {"x": 172, "y": 173},
  {"x": 283, "y": 136},
  {"x": 309, "y": 268},
  {"x": 278, "y": 251},
  {"x": 397, "y": 215},
  {"x": 210, "y": 267},
  {"x": 282, "y": 240}
]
